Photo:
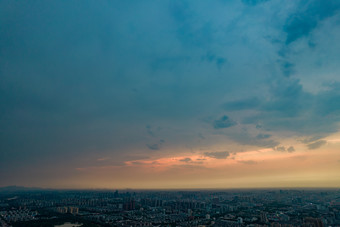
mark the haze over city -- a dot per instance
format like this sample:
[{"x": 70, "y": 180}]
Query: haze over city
[{"x": 170, "y": 94}]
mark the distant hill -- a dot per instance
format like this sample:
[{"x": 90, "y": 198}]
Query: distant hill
[{"x": 18, "y": 189}]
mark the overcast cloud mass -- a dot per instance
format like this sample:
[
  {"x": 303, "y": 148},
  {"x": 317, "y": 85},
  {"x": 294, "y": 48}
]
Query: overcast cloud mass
[{"x": 157, "y": 88}]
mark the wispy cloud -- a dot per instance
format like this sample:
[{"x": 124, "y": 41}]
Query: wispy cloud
[
  {"x": 185, "y": 160},
  {"x": 248, "y": 162},
  {"x": 217, "y": 154},
  {"x": 316, "y": 145}
]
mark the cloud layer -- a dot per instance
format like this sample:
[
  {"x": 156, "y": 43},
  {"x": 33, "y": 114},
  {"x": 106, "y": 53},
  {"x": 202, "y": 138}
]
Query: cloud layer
[{"x": 130, "y": 80}]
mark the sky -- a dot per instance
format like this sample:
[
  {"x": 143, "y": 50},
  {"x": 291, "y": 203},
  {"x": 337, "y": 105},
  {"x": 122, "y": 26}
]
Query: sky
[{"x": 170, "y": 94}]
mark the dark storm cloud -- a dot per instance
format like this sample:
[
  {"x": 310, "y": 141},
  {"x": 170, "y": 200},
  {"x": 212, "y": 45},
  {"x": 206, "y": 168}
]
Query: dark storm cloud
[
  {"x": 254, "y": 2},
  {"x": 307, "y": 16},
  {"x": 224, "y": 122},
  {"x": 300, "y": 24},
  {"x": 156, "y": 146},
  {"x": 291, "y": 108},
  {"x": 153, "y": 146},
  {"x": 217, "y": 154}
]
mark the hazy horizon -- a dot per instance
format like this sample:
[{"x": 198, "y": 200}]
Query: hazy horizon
[
  {"x": 170, "y": 94},
  {"x": 175, "y": 189}
]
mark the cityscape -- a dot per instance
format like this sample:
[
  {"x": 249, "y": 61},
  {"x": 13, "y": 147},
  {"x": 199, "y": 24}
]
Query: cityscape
[
  {"x": 170, "y": 113},
  {"x": 238, "y": 207}
]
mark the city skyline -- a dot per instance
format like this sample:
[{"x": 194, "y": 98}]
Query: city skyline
[{"x": 170, "y": 94}]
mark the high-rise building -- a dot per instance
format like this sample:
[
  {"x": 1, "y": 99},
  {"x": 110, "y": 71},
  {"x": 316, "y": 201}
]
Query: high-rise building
[
  {"x": 62, "y": 210},
  {"x": 73, "y": 210}
]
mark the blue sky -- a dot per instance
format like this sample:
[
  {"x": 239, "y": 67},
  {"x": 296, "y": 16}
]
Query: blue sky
[{"x": 91, "y": 84}]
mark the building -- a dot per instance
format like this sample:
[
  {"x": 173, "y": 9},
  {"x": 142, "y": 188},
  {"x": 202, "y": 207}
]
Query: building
[{"x": 73, "y": 210}]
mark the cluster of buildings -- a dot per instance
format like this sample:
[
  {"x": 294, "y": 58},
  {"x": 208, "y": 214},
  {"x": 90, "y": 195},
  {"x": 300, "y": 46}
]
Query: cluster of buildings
[
  {"x": 70, "y": 210},
  {"x": 15, "y": 215},
  {"x": 252, "y": 208}
]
